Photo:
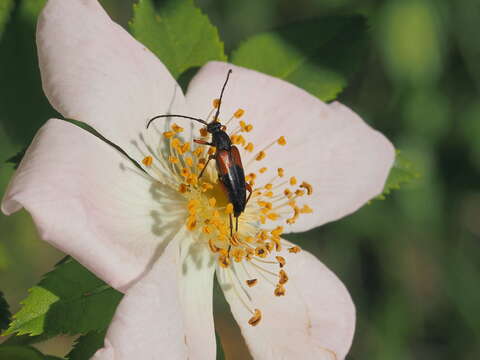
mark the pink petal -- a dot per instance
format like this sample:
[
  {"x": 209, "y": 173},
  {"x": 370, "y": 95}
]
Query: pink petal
[
  {"x": 89, "y": 201},
  {"x": 95, "y": 72},
  {"x": 168, "y": 313},
  {"x": 315, "y": 319},
  {"x": 329, "y": 146}
]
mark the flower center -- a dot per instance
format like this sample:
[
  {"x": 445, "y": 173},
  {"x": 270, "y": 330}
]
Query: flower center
[{"x": 249, "y": 240}]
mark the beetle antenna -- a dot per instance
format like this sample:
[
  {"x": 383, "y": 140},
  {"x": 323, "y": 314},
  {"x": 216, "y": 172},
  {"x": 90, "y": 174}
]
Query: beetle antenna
[
  {"x": 180, "y": 116},
  {"x": 221, "y": 95}
]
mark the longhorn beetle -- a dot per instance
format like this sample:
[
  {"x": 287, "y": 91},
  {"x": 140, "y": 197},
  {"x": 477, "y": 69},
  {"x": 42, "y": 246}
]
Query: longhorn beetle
[{"x": 227, "y": 157}]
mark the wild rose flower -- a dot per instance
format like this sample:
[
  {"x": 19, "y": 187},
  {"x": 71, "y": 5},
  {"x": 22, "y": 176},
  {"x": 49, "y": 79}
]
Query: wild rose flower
[{"x": 160, "y": 234}]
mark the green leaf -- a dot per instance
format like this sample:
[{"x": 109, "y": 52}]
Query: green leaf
[
  {"x": 15, "y": 352},
  {"x": 85, "y": 346},
  {"x": 180, "y": 35},
  {"x": 23, "y": 106},
  {"x": 5, "y": 313},
  {"x": 401, "y": 173},
  {"x": 317, "y": 55},
  {"x": 6, "y": 7},
  {"x": 68, "y": 300}
]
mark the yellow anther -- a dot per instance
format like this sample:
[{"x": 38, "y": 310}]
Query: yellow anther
[
  {"x": 268, "y": 194},
  {"x": 308, "y": 187},
  {"x": 185, "y": 172},
  {"x": 173, "y": 159},
  {"x": 203, "y": 132},
  {"x": 249, "y": 147},
  {"x": 287, "y": 193},
  {"x": 224, "y": 261},
  {"x": 269, "y": 186},
  {"x": 249, "y": 239},
  {"x": 277, "y": 231},
  {"x": 263, "y": 219},
  {"x": 191, "y": 223},
  {"x": 250, "y": 253},
  {"x": 273, "y": 216},
  {"x": 261, "y": 155},
  {"x": 248, "y": 128},
  {"x": 185, "y": 147},
  {"x": 280, "y": 172},
  {"x": 238, "y": 254},
  {"x": 277, "y": 242},
  {"x": 306, "y": 209},
  {"x": 242, "y": 124},
  {"x": 261, "y": 251},
  {"x": 212, "y": 201},
  {"x": 251, "y": 282},
  {"x": 189, "y": 161},
  {"x": 192, "y": 179},
  {"x": 296, "y": 213},
  {"x": 176, "y": 143},
  {"x": 206, "y": 229},
  {"x": 299, "y": 192},
  {"x": 206, "y": 186},
  {"x": 216, "y": 214},
  {"x": 229, "y": 208},
  {"x": 182, "y": 188},
  {"x": 212, "y": 246},
  {"x": 193, "y": 204},
  {"x": 176, "y": 128},
  {"x": 198, "y": 151},
  {"x": 216, "y": 103},
  {"x": 267, "y": 205},
  {"x": 168, "y": 134},
  {"x": 263, "y": 235},
  {"x": 270, "y": 246},
  {"x": 294, "y": 249},
  {"x": 147, "y": 160},
  {"x": 255, "y": 319},
  {"x": 292, "y": 203},
  {"x": 293, "y": 180},
  {"x": 238, "y": 140},
  {"x": 239, "y": 113},
  {"x": 283, "y": 277},
  {"x": 281, "y": 140},
  {"x": 279, "y": 290},
  {"x": 264, "y": 211},
  {"x": 281, "y": 261},
  {"x": 250, "y": 177},
  {"x": 262, "y": 170},
  {"x": 211, "y": 150},
  {"x": 234, "y": 240}
]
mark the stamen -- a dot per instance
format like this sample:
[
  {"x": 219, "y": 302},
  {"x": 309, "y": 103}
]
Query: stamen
[
  {"x": 281, "y": 141},
  {"x": 294, "y": 249},
  {"x": 147, "y": 161},
  {"x": 255, "y": 319},
  {"x": 283, "y": 277},
  {"x": 239, "y": 113},
  {"x": 281, "y": 261},
  {"x": 251, "y": 282},
  {"x": 261, "y": 155},
  {"x": 279, "y": 290}
]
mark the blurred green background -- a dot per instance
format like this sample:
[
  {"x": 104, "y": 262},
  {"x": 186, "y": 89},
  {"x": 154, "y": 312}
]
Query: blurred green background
[{"x": 411, "y": 262}]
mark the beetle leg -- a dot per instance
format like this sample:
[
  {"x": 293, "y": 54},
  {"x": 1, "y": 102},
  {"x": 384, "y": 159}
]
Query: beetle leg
[
  {"x": 236, "y": 223},
  {"x": 231, "y": 226},
  {"x": 250, "y": 190},
  {"x": 210, "y": 157},
  {"x": 202, "y": 142}
]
